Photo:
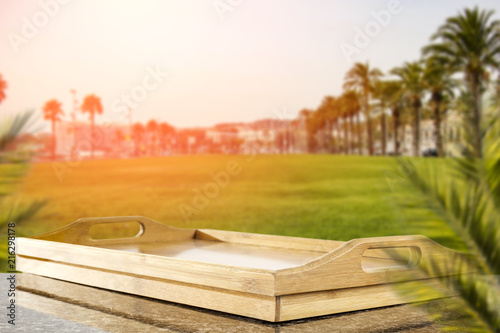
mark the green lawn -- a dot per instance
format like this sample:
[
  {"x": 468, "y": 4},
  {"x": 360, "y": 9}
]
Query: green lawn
[{"x": 319, "y": 196}]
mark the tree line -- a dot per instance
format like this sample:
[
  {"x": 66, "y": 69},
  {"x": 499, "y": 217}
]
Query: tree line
[
  {"x": 467, "y": 44},
  {"x": 374, "y": 106}
]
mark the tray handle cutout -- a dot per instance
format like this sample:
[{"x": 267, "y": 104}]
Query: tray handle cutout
[
  {"x": 79, "y": 232},
  {"x": 87, "y": 225},
  {"x": 391, "y": 253},
  {"x": 376, "y": 259},
  {"x": 115, "y": 230}
]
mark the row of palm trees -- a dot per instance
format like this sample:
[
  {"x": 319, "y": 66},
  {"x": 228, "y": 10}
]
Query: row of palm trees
[
  {"x": 468, "y": 43},
  {"x": 52, "y": 111},
  {"x": 153, "y": 138}
]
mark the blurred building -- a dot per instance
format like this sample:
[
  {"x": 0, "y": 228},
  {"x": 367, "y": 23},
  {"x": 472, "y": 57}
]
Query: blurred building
[{"x": 76, "y": 140}]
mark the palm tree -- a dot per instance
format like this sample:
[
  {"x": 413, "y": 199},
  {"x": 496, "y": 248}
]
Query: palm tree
[
  {"x": 326, "y": 120},
  {"x": 92, "y": 105},
  {"x": 345, "y": 124},
  {"x": 361, "y": 78},
  {"x": 351, "y": 103},
  {"x": 394, "y": 91},
  {"x": 411, "y": 76},
  {"x": 52, "y": 112},
  {"x": 438, "y": 81},
  {"x": 350, "y": 107},
  {"x": 138, "y": 131},
  {"x": 3, "y": 86},
  {"x": 152, "y": 128},
  {"x": 118, "y": 139},
  {"x": 318, "y": 123},
  {"x": 389, "y": 94},
  {"x": 382, "y": 96},
  {"x": 396, "y": 120},
  {"x": 470, "y": 43},
  {"x": 304, "y": 120},
  {"x": 165, "y": 130},
  {"x": 343, "y": 116},
  {"x": 310, "y": 122}
]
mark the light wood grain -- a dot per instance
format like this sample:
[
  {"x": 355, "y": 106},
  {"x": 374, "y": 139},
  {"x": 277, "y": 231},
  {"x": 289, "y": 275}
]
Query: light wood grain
[
  {"x": 78, "y": 232},
  {"x": 350, "y": 299},
  {"x": 142, "y": 309},
  {"x": 343, "y": 268},
  {"x": 188, "y": 319},
  {"x": 252, "y": 280},
  {"x": 267, "y": 277},
  {"x": 296, "y": 243},
  {"x": 244, "y": 304}
]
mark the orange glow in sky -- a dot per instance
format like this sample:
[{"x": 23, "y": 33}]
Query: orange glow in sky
[{"x": 202, "y": 62}]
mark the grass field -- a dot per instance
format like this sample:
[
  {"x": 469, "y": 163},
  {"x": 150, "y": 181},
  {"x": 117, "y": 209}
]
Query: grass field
[{"x": 319, "y": 196}]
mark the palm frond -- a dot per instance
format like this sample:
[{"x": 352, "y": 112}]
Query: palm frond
[
  {"x": 13, "y": 126},
  {"x": 475, "y": 218},
  {"x": 17, "y": 211},
  {"x": 13, "y": 209},
  {"x": 466, "y": 194}
]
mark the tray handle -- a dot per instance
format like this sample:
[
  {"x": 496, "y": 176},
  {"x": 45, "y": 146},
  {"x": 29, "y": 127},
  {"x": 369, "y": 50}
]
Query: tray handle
[
  {"x": 349, "y": 256},
  {"x": 410, "y": 251},
  {"x": 78, "y": 232},
  {"x": 422, "y": 251}
]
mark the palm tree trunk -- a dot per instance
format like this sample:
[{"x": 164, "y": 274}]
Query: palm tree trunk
[
  {"x": 476, "y": 116},
  {"x": 384, "y": 133},
  {"x": 369, "y": 127},
  {"x": 416, "y": 136},
  {"x": 328, "y": 137},
  {"x": 153, "y": 145},
  {"x": 325, "y": 136},
  {"x": 360, "y": 142},
  {"x": 437, "y": 124},
  {"x": 351, "y": 130},
  {"x": 395, "y": 115},
  {"x": 370, "y": 135},
  {"x": 346, "y": 136},
  {"x": 330, "y": 129},
  {"x": 53, "y": 139},
  {"x": 137, "y": 147},
  {"x": 340, "y": 145},
  {"x": 92, "y": 135},
  {"x": 336, "y": 137},
  {"x": 368, "y": 122}
]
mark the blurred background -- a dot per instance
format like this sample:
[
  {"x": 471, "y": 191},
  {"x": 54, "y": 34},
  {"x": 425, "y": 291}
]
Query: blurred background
[{"x": 322, "y": 119}]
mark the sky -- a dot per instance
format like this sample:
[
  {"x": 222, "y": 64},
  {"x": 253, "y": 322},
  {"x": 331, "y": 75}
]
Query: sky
[{"x": 197, "y": 63}]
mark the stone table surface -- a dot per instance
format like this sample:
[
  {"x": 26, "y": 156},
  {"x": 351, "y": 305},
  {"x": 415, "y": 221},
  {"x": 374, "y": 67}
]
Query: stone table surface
[{"x": 49, "y": 305}]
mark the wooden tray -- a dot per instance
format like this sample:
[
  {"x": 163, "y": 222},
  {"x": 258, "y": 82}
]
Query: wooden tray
[
  {"x": 119, "y": 312},
  {"x": 272, "y": 278}
]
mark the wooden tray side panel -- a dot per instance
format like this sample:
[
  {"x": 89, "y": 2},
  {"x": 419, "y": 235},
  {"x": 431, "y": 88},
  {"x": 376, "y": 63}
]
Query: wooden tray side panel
[
  {"x": 181, "y": 319},
  {"x": 245, "y": 280},
  {"x": 296, "y": 243},
  {"x": 78, "y": 232},
  {"x": 342, "y": 268},
  {"x": 166, "y": 315},
  {"x": 321, "y": 303},
  {"x": 243, "y": 304}
]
